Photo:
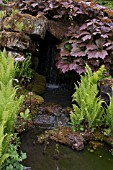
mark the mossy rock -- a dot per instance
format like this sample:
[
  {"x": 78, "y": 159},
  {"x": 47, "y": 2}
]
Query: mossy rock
[
  {"x": 39, "y": 98},
  {"x": 38, "y": 85},
  {"x": 35, "y": 98}
]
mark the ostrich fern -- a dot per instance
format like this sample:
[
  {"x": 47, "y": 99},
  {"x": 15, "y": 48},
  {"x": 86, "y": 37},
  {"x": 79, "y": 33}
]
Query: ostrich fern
[
  {"x": 9, "y": 104},
  {"x": 109, "y": 113},
  {"x": 89, "y": 106}
]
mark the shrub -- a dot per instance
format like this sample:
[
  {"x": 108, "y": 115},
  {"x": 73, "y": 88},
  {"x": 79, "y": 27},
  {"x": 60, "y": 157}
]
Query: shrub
[
  {"x": 108, "y": 3},
  {"x": 14, "y": 160},
  {"x": 9, "y": 104},
  {"x": 23, "y": 72},
  {"x": 88, "y": 109},
  {"x": 109, "y": 113},
  {"x": 88, "y": 36}
]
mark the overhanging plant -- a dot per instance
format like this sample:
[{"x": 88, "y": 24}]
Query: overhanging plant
[
  {"x": 88, "y": 36},
  {"x": 89, "y": 43}
]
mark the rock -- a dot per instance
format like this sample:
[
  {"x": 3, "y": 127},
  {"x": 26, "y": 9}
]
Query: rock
[
  {"x": 9, "y": 8},
  {"x": 38, "y": 98},
  {"x": 51, "y": 109},
  {"x": 78, "y": 146},
  {"x": 35, "y": 100},
  {"x": 58, "y": 29},
  {"x": 16, "y": 54},
  {"x": 76, "y": 140},
  {"x": 50, "y": 116},
  {"x": 105, "y": 88},
  {"x": 38, "y": 85},
  {"x": 16, "y": 41},
  {"x": 67, "y": 111},
  {"x": 28, "y": 24},
  {"x": 65, "y": 136},
  {"x": 27, "y": 168},
  {"x": 44, "y": 121},
  {"x": 96, "y": 144}
]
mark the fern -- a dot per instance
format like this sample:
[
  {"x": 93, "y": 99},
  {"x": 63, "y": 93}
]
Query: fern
[
  {"x": 109, "y": 113},
  {"x": 9, "y": 104},
  {"x": 89, "y": 106},
  {"x": 20, "y": 26}
]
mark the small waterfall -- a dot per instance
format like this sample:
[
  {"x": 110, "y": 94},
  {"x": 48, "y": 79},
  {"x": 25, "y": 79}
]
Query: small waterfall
[{"x": 47, "y": 54}]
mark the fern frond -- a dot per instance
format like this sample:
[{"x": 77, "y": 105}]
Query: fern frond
[{"x": 90, "y": 106}]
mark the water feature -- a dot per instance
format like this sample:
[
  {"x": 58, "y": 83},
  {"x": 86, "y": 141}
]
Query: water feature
[
  {"x": 59, "y": 94},
  {"x": 47, "y": 55},
  {"x": 39, "y": 158},
  {"x": 56, "y": 156}
]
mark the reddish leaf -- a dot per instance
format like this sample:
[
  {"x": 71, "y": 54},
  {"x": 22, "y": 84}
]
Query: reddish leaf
[
  {"x": 100, "y": 42},
  {"x": 105, "y": 29},
  {"x": 62, "y": 66},
  {"x": 83, "y": 27},
  {"x": 96, "y": 32},
  {"x": 97, "y": 54},
  {"x": 76, "y": 51},
  {"x": 86, "y": 37},
  {"x": 84, "y": 33},
  {"x": 108, "y": 43},
  {"x": 64, "y": 52},
  {"x": 91, "y": 47},
  {"x": 110, "y": 47},
  {"x": 94, "y": 62},
  {"x": 104, "y": 35},
  {"x": 51, "y": 5},
  {"x": 73, "y": 66}
]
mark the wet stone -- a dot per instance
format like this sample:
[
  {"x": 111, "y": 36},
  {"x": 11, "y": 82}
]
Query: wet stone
[
  {"x": 44, "y": 121},
  {"x": 51, "y": 115},
  {"x": 105, "y": 89},
  {"x": 50, "y": 121},
  {"x": 16, "y": 41},
  {"x": 28, "y": 24},
  {"x": 76, "y": 140}
]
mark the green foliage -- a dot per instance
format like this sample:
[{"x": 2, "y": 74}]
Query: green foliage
[
  {"x": 108, "y": 3},
  {"x": 2, "y": 14},
  {"x": 107, "y": 132},
  {"x": 20, "y": 26},
  {"x": 9, "y": 104},
  {"x": 25, "y": 115},
  {"x": 6, "y": 1},
  {"x": 22, "y": 68},
  {"x": 14, "y": 160},
  {"x": 89, "y": 106},
  {"x": 15, "y": 11},
  {"x": 109, "y": 113}
]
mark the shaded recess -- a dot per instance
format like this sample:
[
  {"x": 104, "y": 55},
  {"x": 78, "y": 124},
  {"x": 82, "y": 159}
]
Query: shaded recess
[
  {"x": 47, "y": 55},
  {"x": 59, "y": 87},
  {"x": 47, "y": 60}
]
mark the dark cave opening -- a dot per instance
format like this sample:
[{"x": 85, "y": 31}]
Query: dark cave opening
[{"x": 47, "y": 63}]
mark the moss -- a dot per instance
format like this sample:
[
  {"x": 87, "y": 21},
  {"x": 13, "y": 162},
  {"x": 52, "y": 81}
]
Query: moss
[
  {"x": 37, "y": 99},
  {"x": 38, "y": 85}
]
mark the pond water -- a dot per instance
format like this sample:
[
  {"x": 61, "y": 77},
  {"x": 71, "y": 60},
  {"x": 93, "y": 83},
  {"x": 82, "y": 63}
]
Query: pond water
[
  {"x": 41, "y": 158},
  {"x": 68, "y": 159},
  {"x": 58, "y": 94}
]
